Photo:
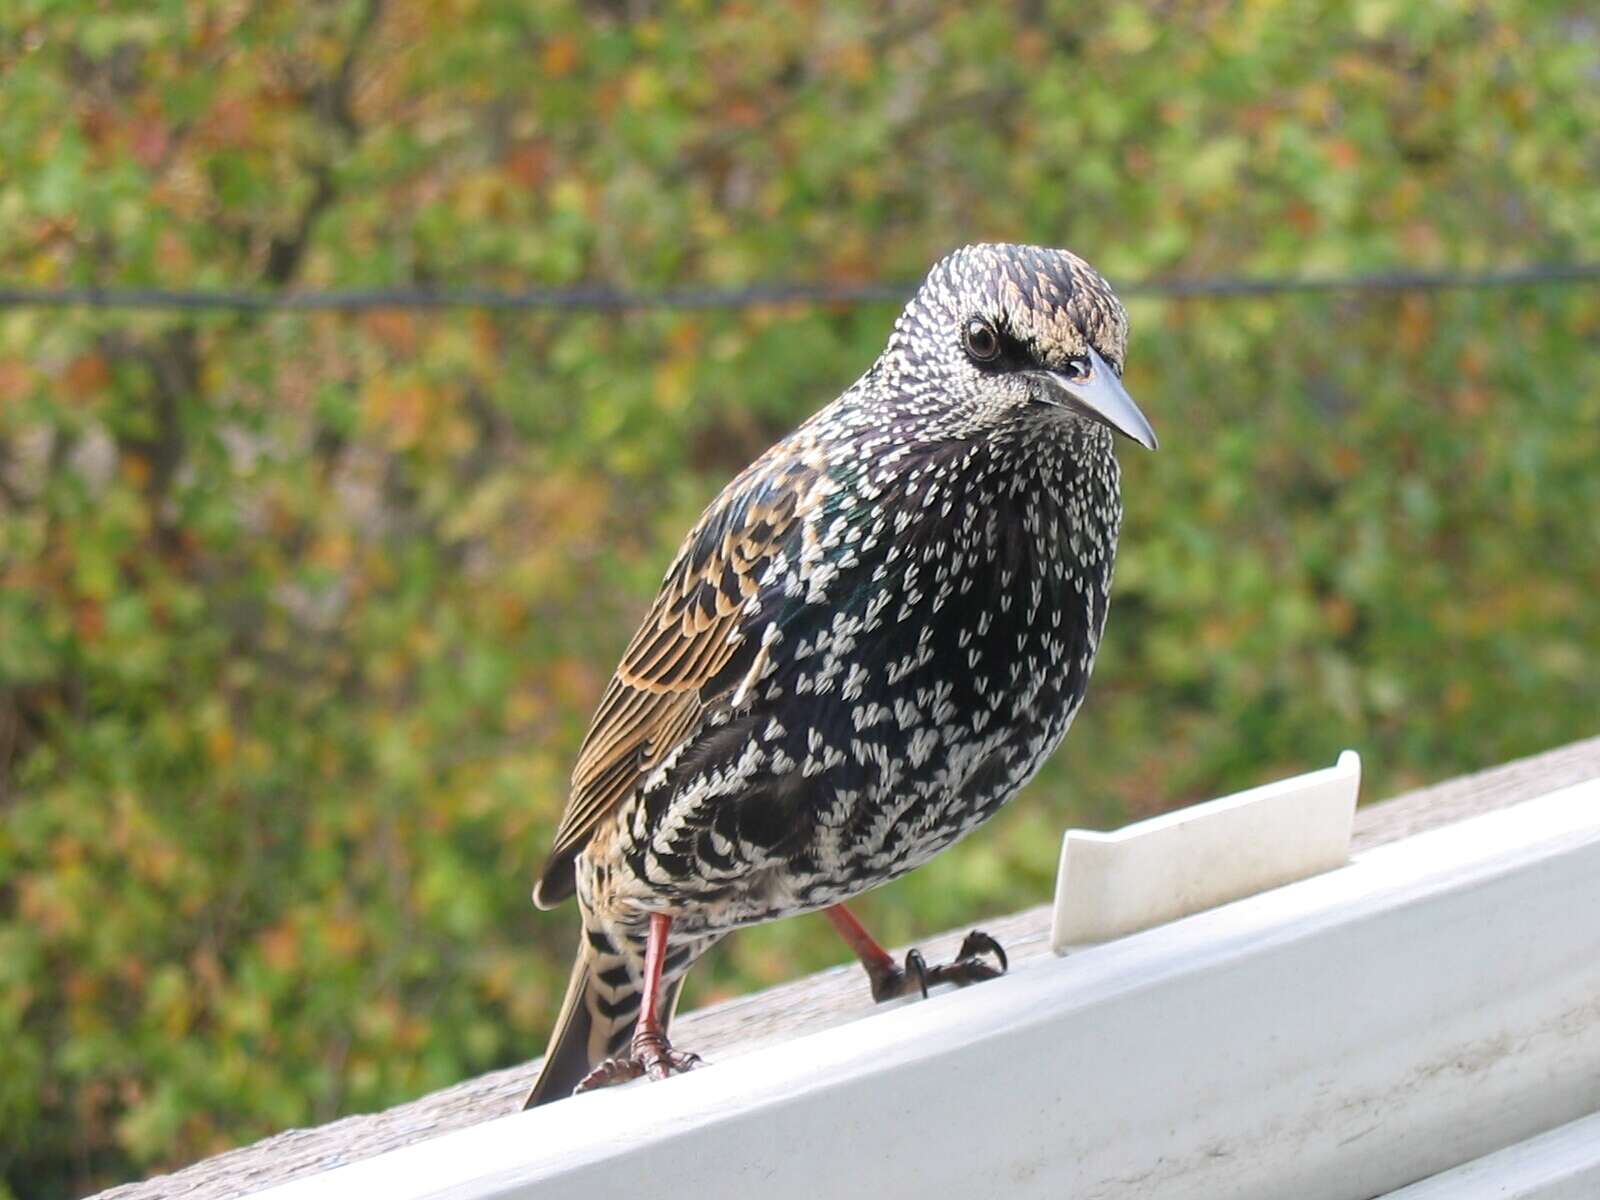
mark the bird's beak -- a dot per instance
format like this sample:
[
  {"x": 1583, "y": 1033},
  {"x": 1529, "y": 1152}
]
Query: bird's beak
[{"x": 1101, "y": 395}]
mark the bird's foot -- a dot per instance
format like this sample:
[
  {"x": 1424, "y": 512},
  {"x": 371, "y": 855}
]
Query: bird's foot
[
  {"x": 650, "y": 1054},
  {"x": 971, "y": 965},
  {"x": 890, "y": 982}
]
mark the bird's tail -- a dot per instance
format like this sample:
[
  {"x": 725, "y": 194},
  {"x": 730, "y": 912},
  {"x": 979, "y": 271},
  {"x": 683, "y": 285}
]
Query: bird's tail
[{"x": 600, "y": 1010}]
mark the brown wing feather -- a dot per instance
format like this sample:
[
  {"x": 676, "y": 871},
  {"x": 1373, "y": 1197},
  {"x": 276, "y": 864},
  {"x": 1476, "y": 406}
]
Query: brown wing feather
[{"x": 694, "y": 633}]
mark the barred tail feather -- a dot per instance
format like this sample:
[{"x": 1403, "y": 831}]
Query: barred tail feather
[{"x": 598, "y": 1014}]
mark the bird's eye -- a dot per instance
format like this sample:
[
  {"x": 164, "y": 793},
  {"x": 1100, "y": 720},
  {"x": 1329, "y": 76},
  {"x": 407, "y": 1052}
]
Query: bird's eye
[
  {"x": 981, "y": 341},
  {"x": 1077, "y": 369}
]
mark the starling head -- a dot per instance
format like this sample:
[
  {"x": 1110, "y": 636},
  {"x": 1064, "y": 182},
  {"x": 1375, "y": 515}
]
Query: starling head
[{"x": 1007, "y": 332}]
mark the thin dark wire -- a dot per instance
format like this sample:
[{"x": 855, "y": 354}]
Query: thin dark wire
[{"x": 603, "y": 299}]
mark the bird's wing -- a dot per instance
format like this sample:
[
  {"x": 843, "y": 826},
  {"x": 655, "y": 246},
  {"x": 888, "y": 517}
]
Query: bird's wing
[{"x": 695, "y": 645}]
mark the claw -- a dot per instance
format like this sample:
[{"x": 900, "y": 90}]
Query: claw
[
  {"x": 911, "y": 979},
  {"x": 917, "y": 966},
  {"x": 978, "y": 943},
  {"x": 671, "y": 1062},
  {"x": 969, "y": 966},
  {"x": 916, "y": 977}
]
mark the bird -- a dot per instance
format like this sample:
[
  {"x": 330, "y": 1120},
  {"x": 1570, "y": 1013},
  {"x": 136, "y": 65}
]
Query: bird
[{"x": 869, "y": 642}]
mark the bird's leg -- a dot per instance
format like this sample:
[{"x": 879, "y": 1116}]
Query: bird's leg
[
  {"x": 650, "y": 1046},
  {"x": 649, "y": 1053},
  {"x": 889, "y": 979}
]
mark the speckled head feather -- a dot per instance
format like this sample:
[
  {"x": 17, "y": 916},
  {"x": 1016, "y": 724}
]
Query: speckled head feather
[
  {"x": 1051, "y": 302},
  {"x": 1048, "y": 309}
]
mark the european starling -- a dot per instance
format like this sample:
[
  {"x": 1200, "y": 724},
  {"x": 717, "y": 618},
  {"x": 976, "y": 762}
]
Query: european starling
[{"x": 870, "y": 641}]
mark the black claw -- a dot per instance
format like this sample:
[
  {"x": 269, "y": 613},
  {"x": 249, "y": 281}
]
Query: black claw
[
  {"x": 978, "y": 943},
  {"x": 969, "y": 967},
  {"x": 917, "y": 966},
  {"x": 894, "y": 982}
]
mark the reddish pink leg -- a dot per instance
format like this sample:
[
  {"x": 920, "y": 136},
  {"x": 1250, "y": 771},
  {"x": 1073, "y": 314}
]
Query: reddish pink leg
[{"x": 648, "y": 1033}]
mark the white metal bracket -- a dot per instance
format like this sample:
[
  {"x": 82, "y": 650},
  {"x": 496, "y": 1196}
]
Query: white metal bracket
[{"x": 1184, "y": 862}]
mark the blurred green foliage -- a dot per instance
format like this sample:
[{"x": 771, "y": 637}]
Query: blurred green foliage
[{"x": 302, "y": 616}]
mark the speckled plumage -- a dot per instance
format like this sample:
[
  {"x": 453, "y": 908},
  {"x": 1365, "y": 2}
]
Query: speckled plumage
[{"x": 870, "y": 641}]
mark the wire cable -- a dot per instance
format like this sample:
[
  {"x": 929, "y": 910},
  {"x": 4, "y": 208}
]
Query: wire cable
[{"x": 606, "y": 299}]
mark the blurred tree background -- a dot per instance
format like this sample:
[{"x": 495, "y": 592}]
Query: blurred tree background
[{"x": 302, "y": 615}]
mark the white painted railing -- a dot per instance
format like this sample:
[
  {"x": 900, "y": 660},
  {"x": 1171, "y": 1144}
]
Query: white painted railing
[
  {"x": 1563, "y": 1164},
  {"x": 1432, "y": 1003}
]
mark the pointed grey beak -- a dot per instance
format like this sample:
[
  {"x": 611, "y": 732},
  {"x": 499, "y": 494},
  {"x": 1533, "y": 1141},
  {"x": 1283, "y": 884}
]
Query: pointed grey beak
[{"x": 1100, "y": 394}]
